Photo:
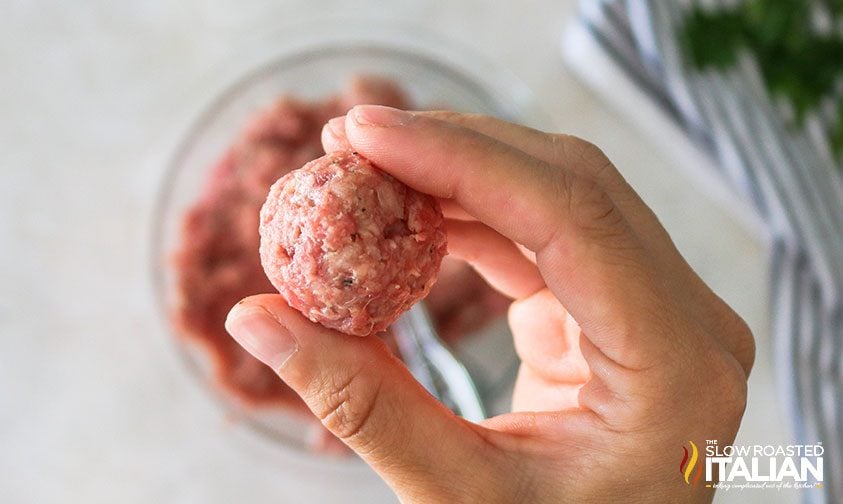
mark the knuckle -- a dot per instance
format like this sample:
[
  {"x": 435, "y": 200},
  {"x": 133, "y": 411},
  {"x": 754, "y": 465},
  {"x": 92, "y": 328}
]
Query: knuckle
[
  {"x": 583, "y": 152},
  {"x": 730, "y": 391},
  {"x": 587, "y": 152},
  {"x": 722, "y": 385},
  {"x": 346, "y": 403},
  {"x": 741, "y": 340},
  {"x": 589, "y": 161},
  {"x": 732, "y": 377},
  {"x": 592, "y": 209},
  {"x": 737, "y": 407}
]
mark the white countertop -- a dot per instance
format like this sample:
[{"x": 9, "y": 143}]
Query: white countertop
[{"x": 94, "y": 405}]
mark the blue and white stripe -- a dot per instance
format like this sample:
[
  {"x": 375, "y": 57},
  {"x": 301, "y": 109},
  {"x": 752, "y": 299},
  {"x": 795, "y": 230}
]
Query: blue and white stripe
[{"x": 793, "y": 183}]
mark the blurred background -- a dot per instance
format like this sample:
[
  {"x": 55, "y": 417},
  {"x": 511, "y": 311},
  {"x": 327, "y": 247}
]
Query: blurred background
[{"x": 95, "y": 405}]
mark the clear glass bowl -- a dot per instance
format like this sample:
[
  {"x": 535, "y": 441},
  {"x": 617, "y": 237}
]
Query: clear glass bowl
[{"x": 313, "y": 67}]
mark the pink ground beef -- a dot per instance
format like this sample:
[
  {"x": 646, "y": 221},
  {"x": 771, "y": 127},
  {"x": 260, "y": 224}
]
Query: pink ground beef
[
  {"x": 348, "y": 245},
  {"x": 217, "y": 262}
]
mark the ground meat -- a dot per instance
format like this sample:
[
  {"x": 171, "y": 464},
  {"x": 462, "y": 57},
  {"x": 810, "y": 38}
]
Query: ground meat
[
  {"x": 216, "y": 262},
  {"x": 348, "y": 245},
  {"x": 461, "y": 302}
]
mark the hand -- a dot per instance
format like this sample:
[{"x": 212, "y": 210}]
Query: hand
[{"x": 626, "y": 354}]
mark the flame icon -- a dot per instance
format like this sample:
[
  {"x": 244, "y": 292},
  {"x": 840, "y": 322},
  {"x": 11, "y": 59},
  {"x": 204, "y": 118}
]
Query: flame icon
[{"x": 686, "y": 467}]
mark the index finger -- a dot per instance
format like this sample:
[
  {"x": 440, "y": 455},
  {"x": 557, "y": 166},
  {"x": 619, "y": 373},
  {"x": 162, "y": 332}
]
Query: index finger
[
  {"x": 588, "y": 254},
  {"x": 452, "y": 162}
]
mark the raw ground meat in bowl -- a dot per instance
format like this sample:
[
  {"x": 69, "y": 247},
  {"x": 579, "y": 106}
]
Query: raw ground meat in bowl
[{"x": 265, "y": 124}]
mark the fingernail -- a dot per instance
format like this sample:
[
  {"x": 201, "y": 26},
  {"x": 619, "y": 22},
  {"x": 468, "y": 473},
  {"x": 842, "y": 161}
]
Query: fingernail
[
  {"x": 260, "y": 334},
  {"x": 378, "y": 115},
  {"x": 337, "y": 126}
]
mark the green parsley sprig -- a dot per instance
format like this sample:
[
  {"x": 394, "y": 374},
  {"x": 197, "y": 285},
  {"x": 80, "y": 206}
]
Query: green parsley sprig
[{"x": 798, "y": 61}]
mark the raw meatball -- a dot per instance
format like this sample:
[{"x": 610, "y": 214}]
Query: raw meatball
[
  {"x": 217, "y": 262},
  {"x": 348, "y": 245}
]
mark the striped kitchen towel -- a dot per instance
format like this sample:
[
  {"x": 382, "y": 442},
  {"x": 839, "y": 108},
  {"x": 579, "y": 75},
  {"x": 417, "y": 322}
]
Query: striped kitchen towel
[{"x": 787, "y": 175}]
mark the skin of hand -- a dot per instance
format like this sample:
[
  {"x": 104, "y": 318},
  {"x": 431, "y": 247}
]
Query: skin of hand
[{"x": 626, "y": 353}]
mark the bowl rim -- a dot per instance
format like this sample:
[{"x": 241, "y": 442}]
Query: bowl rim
[{"x": 428, "y": 48}]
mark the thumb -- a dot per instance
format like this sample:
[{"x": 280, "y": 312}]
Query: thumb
[{"x": 366, "y": 397}]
